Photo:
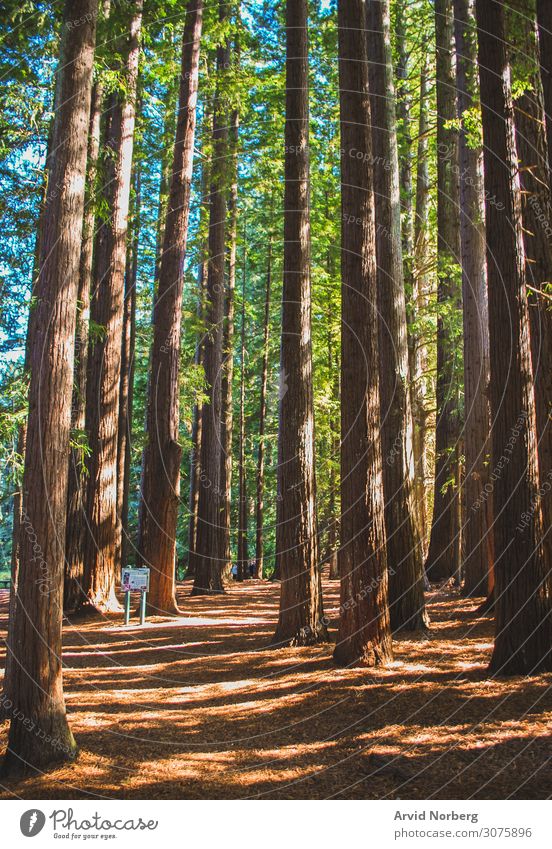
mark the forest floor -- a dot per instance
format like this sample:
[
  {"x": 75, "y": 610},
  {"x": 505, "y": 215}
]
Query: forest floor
[{"x": 198, "y": 707}]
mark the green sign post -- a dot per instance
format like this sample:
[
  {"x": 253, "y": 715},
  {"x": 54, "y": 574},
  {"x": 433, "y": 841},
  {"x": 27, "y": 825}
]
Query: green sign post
[{"x": 135, "y": 579}]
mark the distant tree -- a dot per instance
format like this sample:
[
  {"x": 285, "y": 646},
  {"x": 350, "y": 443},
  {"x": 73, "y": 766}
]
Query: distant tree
[
  {"x": 364, "y": 635},
  {"x": 36, "y": 689}
]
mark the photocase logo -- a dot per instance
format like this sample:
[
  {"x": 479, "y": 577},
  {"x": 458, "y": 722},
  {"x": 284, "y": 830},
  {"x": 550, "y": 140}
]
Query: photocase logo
[{"x": 32, "y": 822}]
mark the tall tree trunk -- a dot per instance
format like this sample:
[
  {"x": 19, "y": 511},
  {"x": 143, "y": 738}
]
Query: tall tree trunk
[
  {"x": 107, "y": 307},
  {"x": 544, "y": 18},
  {"x": 475, "y": 312},
  {"x": 523, "y": 638},
  {"x": 532, "y": 149},
  {"x": 73, "y": 590},
  {"x": 126, "y": 400},
  {"x": 39, "y": 734},
  {"x": 259, "y": 510},
  {"x": 364, "y": 631},
  {"x": 22, "y": 435},
  {"x": 195, "y": 455},
  {"x": 443, "y": 557},
  {"x": 162, "y": 454},
  {"x": 404, "y": 117},
  {"x": 227, "y": 418},
  {"x": 300, "y": 614},
  {"x": 243, "y": 512},
  {"x": 404, "y": 556},
  {"x": 210, "y": 554},
  {"x": 417, "y": 347}
]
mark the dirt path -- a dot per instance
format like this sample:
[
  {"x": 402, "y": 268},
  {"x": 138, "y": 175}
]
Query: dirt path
[{"x": 199, "y": 708}]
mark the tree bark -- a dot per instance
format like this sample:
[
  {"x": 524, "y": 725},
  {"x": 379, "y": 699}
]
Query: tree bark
[
  {"x": 102, "y": 546},
  {"x": 404, "y": 555},
  {"x": 364, "y": 635},
  {"x": 417, "y": 348},
  {"x": 39, "y": 734},
  {"x": 300, "y": 619},
  {"x": 227, "y": 419},
  {"x": 536, "y": 198},
  {"x": 443, "y": 558},
  {"x": 259, "y": 510},
  {"x": 126, "y": 400},
  {"x": 73, "y": 590},
  {"x": 210, "y": 555},
  {"x": 162, "y": 454},
  {"x": 243, "y": 512},
  {"x": 476, "y": 432},
  {"x": 523, "y": 638}
]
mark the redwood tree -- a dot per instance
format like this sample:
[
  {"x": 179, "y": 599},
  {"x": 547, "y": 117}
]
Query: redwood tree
[
  {"x": 364, "y": 631},
  {"x": 107, "y": 309},
  {"x": 39, "y": 734},
  {"x": 162, "y": 454},
  {"x": 523, "y": 641},
  {"x": 475, "y": 313},
  {"x": 211, "y": 539},
  {"x": 404, "y": 555},
  {"x": 259, "y": 509},
  {"x": 300, "y": 614},
  {"x": 444, "y": 545}
]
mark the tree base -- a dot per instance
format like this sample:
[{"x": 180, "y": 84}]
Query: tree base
[
  {"x": 207, "y": 591},
  {"x": 349, "y": 654},
  {"x": 417, "y": 624},
  {"x": 303, "y": 636},
  {"x": 30, "y": 751}
]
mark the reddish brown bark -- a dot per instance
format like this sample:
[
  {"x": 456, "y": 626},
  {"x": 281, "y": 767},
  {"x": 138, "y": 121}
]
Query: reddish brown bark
[
  {"x": 162, "y": 454},
  {"x": 210, "y": 541},
  {"x": 522, "y": 595},
  {"x": 404, "y": 554},
  {"x": 259, "y": 509},
  {"x": 39, "y": 734},
  {"x": 73, "y": 590},
  {"x": 102, "y": 546},
  {"x": 476, "y": 431},
  {"x": 300, "y": 620},
  {"x": 364, "y": 635},
  {"x": 443, "y": 559}
]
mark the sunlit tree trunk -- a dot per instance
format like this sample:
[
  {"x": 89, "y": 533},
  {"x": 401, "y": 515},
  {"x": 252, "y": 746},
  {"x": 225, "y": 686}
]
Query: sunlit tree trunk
[
  {"x": 195, "y": 454},
  {"x": 476, "y": 432},
  {"x": 300, "y": 614},
  {"x": 162, "y": 454},
  {"x": 102, "y": 546},
  {"x": 39, "y": 735},
  {"x": 73, "y": 591},
  {"x": 364, "y": 635},
  {"x": 523, "y": 638},
  {"x": 417, "y": 350},
  {"x": 444, "y": 545},
  {"x": 404, "y": 556},
  {"x": 532, "y": 149}
]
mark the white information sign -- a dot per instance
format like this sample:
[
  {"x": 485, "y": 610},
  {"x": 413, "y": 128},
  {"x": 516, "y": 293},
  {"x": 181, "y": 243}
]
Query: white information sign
[{"x": 135, "y": 579}]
